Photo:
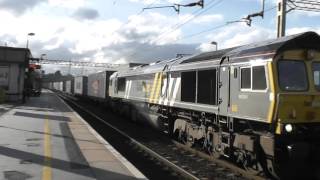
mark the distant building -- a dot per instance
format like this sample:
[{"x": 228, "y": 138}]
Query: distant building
[{"x": 14, "y": 63}]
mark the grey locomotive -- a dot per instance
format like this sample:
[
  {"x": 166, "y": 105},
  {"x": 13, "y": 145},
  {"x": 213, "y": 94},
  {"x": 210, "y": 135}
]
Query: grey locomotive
[{"x": 257, "y": 104}]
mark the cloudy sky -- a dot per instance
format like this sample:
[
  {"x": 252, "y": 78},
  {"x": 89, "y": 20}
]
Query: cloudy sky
[{"x": 117, "y": 31}]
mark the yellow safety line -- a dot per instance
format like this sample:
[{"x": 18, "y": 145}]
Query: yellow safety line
[{"x": 46, "y": 171}]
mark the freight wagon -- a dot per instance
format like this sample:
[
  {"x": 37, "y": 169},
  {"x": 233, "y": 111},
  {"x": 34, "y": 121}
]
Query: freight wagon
[
  {"x": 70, "y": 86},
  {"x": 98, "y": 85},
  {"x": 80, "y": 85}
]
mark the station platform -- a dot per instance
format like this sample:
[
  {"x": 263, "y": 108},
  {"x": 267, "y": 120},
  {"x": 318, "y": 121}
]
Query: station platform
[{"x": 45, "y": 139}]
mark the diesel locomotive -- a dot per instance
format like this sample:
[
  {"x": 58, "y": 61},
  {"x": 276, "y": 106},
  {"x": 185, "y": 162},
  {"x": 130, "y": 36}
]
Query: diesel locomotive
[{"x": 257, "y": 104}]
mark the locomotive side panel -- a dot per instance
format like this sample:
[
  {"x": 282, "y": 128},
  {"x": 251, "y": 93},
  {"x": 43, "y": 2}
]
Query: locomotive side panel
[
  {"x": 137, "y": 88},
  {"x": 192, "y": 89},
  {"x": 250, "y": 94}
]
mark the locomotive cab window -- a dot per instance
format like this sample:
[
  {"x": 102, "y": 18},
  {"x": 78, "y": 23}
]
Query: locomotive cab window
[
  {"x": 292, "y": 75},
  {"x": 246, "y": 78},
  {"x": 259, "y": 78},
  {"x": 253, "y": 78}
]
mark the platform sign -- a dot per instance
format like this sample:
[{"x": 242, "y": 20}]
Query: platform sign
[{"x": 4, "y": 77}]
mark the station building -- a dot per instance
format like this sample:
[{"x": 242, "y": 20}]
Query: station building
[{"x": 14, "y": 62}]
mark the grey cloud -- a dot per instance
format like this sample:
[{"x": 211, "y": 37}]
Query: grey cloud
[
  {"x": 60, "y": 30},
  {"x": 7, "y": 40},
  {"x": 86, "y": 13},
  {"x": 132, "y": 52},
  {"x": 63, "y": 52},
  {"x": 133, "y": 34},
  {"x": 146, "y": 53},
  {"x": 18, "y": 7}
]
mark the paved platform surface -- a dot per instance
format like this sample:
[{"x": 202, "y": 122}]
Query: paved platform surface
[{"x": 44, "y": 139}]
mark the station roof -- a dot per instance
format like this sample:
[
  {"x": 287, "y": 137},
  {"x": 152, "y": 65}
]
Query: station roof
[{"x": 14, "y": 55}]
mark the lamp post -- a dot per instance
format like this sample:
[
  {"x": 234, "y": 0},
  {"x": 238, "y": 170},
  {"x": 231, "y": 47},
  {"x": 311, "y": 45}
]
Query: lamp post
[
  {"x": 29, "y": 34},
  {"x": 216, "y": 44}
]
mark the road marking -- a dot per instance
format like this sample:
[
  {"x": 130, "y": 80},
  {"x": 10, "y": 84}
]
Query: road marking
[{"x": 46, "y": 171}]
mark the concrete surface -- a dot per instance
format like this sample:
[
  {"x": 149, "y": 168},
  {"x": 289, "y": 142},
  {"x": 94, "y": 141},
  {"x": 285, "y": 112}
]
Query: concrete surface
[{"x": 45, "y": 139}]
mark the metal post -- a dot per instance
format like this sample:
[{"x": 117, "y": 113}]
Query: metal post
[
  {"x": 69, "y": 70},
  {"x": 27, "y": 43},
  {"x": 29, "y": 34},
  {"x": 215, "y": 43},
  {"x": 281, "y": 18}
]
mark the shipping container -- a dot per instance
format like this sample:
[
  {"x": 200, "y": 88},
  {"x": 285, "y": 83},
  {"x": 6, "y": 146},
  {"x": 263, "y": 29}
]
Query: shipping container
[
  {"x": 98, "y": 84},
  {"x": 58, "y": 86},
  {"x": 64, "y": 85},
  {"x": 80, "y": 85},
  {"x": 50, "y": 85},
  {"x": 70, "y": 86}
]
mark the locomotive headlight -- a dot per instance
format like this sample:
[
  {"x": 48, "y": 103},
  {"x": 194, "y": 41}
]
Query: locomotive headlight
[{"x": 288, "y": 128}]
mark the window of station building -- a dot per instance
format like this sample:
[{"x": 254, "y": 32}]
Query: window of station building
[
  {"x": 259, "y": 78},
  {"x": 207, "y": 87},
  {"x": 188, "y": 86},
  {"x": 121, "y": 85},
  {"x": 246, "y": 78}
]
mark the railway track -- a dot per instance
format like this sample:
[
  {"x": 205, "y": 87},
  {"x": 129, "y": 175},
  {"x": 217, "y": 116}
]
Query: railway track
[{"x": 157, "y": 156}]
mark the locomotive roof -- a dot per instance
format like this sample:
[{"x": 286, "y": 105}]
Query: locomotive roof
[
  {"x": 208, "y": 55},
  {"x": 269, "y": 47}
]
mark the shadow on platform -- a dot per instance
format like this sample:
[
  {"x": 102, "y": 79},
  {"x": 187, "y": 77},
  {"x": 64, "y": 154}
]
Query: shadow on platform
[
  {"x": 69, "y": 136},
  {"x": 61, "y": 164},
  {"x": 43, "y": 116}
]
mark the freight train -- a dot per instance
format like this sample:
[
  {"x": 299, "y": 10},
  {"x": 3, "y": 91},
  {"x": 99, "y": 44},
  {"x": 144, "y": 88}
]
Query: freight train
[{"x": 257, "y": 104}]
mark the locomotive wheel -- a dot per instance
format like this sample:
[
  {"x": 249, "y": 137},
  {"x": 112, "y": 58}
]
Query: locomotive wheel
[
  {"x": 182, "y": 137},
  {"x": 244, "y": 161},
  {"x": 175, "y": 135},
  {"x": 187, "y": 140},
  {"x": 215, "y": 154}
]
